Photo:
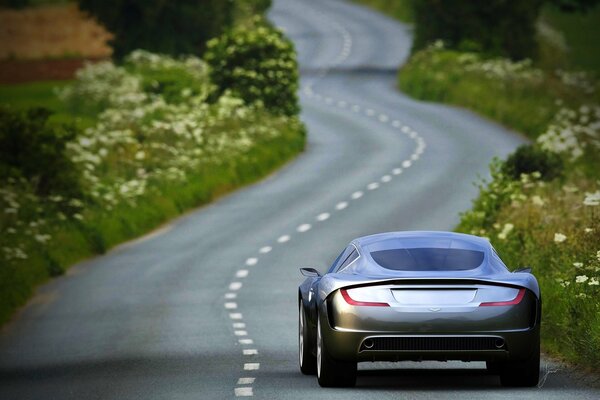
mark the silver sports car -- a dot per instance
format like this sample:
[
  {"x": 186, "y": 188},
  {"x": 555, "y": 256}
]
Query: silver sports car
[{"x": 419, "y": 296}]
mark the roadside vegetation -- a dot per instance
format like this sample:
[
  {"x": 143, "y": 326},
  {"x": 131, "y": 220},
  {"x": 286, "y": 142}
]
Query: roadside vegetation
[
  {"x": 541, "y": 206},
  {"x": 89, "y": 163}
]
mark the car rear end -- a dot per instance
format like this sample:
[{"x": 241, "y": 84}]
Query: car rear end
[{"x": 432, "y": 319}]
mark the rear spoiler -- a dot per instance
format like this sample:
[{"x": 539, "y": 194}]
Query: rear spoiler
[{"x": 333, "y": 282}]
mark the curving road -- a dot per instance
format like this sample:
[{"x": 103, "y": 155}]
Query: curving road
[{"x": 206, "y": 306}]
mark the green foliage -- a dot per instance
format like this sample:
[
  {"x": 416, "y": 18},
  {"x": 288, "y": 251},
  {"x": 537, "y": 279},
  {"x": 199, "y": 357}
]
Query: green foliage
[
  {"x": 581, "y": 6},
  {"x": 156, "y": 148},
  {"x": 514, "y": 93},
  {"x": 32, "y": 149},
  {"x": 169, "y": 27},
  {"x": 573, "y": 44},
  {"x": 258, "y": 64},
  {"x": 174, "y": 79},
  {"x": 399, "y": 9},
  {"x": 528, "y": 159},
  {"x": 499, "y": 27}
]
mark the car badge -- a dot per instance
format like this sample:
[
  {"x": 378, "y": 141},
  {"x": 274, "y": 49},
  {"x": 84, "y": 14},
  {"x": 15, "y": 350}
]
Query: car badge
[{"x": 434, "y": 309}]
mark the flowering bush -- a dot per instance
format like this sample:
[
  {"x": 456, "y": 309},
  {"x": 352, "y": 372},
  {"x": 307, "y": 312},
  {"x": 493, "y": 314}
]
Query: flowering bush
[
  {"x": 158, "y": 146},
  {"x": 572, "y": 132},
  {"x": 256, "y": 63},
  {"x": 540, "y": 207}
]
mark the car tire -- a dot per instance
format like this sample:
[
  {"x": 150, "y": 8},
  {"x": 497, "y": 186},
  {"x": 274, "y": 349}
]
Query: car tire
[
  {"x": 330, "y": 372},
  {"x": 308, "y": 362},
  {"x": 524, "y": 373}
]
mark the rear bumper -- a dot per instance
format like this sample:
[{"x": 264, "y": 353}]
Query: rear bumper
[
  {"x": 380, "y": 334},
  {"x": 354, "y": 346}
]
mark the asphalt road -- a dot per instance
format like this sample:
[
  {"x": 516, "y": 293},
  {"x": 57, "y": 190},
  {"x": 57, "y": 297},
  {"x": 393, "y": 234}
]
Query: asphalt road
[{"x": 205, "y": 308}]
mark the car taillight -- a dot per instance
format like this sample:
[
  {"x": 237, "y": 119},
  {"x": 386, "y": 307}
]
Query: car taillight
[
  {"x": 353, "y": 302},
  {"x": 512, "y": 302}
]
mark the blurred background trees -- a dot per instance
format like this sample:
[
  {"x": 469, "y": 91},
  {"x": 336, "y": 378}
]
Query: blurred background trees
[
  {"x": 163, "y": 26},
  {"x": 498, "y": 27}
]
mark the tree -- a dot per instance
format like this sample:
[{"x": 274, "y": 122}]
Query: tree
[
  {"x": 499, "y": 27},
  {"x": 162, "y": 26}
]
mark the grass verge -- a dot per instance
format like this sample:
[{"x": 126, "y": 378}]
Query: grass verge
[
  {"x": 103, "y": 229},
  {"x": 552, "y": 225},
  {"x": 153, "y": 140}
]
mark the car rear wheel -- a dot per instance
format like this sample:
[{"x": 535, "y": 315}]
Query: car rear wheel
[
  {"x": 308, "y": 362},
  {"x": 522, "y": 374},
  {"x": 330, "y": 372}
]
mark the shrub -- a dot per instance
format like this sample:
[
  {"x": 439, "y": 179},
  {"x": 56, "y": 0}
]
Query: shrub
[
  {"x": 31, "y": 148},
  {"x": 528, "y": 159},
  {"x": 171, "y": 27},
  {"x": 174, "y": 79},
  {"x": 100, "y": 86},
  {"x": 258, "y": 64},
  {"x": 499, "y": 27}
]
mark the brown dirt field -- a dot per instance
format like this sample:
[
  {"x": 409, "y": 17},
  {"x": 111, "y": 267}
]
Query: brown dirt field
[
  {"x": 21, "y": 71},
  {"x": 53, "y": 31}
]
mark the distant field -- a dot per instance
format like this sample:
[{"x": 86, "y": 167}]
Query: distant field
[
  {"x": 582, "y": 35},
  {"x": 51, "y": 31}
]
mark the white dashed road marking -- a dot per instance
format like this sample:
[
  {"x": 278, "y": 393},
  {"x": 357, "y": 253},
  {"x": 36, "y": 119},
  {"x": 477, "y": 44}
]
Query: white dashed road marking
[
  {"x": 246, "y": 381},
  {"x": 357, "y": 195},
  {"x": 231, "y": 306},
  {"x": 250, "y": 352},
  {"x": 341, "y": 205},
  {"x": 235, "y": 285},
  {"x": 265, "y": 249},
  {"x": 246, "y": 341},
  {"x": 372, "y": 186},
  {"x": 251, "y": 366},
  {"x": 303, "y": 228},
  {"x": 242, "y": 273},
  {"x": 283, "y": 239},
  {"x": 251, "y": 261},
  {"x": 243, "y": 391},
  {"x": 322, "y": 217}
]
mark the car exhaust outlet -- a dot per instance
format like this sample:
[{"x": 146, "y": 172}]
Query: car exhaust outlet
[
  {"x": 499, "y": 343},
  {"x": 369, "y": 344}
]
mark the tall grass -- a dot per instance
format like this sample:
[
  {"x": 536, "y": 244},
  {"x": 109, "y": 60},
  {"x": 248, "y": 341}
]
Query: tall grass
[{"x": 552, "y": 226}]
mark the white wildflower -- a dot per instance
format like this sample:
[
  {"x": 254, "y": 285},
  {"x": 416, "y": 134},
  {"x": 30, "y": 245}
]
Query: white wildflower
[
  {"x": 559, "y": 237},
  {"x": 508, "y": 227},
  {"x": 581, "y": 278},
  {"x": 592, "y": 199},
  {"x": 577, "y": 264},
  {"x": 537, "y": 200},
  {"x": 594, "y": 282}
]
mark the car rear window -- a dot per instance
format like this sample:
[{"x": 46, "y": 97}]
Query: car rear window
[{"x": 428, "y": 259}]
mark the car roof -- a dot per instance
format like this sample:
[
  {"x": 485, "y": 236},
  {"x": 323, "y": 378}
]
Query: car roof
[{"x": 370, "y": 239}]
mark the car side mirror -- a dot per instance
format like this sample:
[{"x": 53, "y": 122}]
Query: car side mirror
[
  {"x": 310, "y": 272},
  {"x": 526, "y": 270}
]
